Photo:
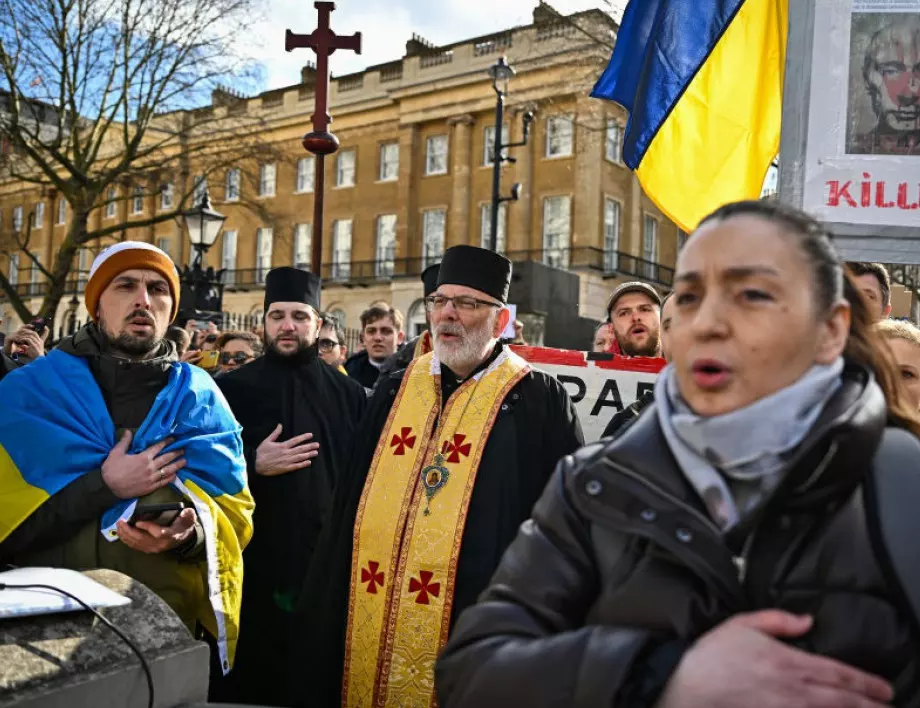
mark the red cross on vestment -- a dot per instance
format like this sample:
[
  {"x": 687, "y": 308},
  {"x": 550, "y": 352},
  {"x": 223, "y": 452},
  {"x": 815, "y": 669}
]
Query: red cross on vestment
[
  {"x": 372, "y": 576},
  {"x": 456, "y": 448},
  {"x": 404, "y": 440},
  {"x": 424, "y": 587}
]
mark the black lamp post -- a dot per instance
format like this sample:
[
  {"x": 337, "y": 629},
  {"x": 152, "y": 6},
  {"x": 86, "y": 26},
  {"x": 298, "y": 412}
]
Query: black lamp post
[
  {"x": 202, "y": 290},
  {"x": 501, "y": 73}
]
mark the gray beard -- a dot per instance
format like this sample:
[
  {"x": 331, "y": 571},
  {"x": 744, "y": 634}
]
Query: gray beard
[{"x": 468, "y": 352}]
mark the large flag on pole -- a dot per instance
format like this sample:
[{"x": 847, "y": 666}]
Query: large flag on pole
[{"x": 702, "y": 81}]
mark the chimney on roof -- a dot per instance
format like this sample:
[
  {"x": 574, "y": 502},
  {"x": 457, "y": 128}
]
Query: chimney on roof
[
  {"x": 544, "y": 13},
  {"x": 308, "y": 74},
  {"x": 418, "y": 45}
]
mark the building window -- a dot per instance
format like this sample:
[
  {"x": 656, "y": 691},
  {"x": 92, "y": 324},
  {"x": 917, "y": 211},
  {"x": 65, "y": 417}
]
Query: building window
[
  {"x": 39, "y": 215},
  {"x": 232, "y": 187},
  {"x": 486, "y": 226},
  {"x": 681, "y": 239},
  {"x": 389, "y": 162},
  {"x": 164, "y": 243},
  {"x": 267, "y": 180},
  {"x": 201, "y": 186},
  {"x": 111, "y": 203},
  {"x": 84, "y": 262},
  {"x": 559, "y": 134},
  {"x": 386, "y": 246},
  {"x": 228, "y": 258},
  {"x": 17, "y": 218},
  {"x": 166, "y": 196},
  {"x": 345, "y": 169},
  {"x": 137, "y": 201},
  {"x": 436, "y": 155},
  {"x": 611, "y": 234},
  {"x": 614, "y": 152},
  {"x": 302, "y": 245},
  {"x": 263, "y": 253},
  {"x": 36, "y": 276},
  {"x": 306, "y": 171},
  {"x": 61, "y": 211},
  {"x": 434, "y": 222},
  {"x": 556, "y": 231},
  {"x": 13, "y": 275},
  {"x": 650, "y": 248},
  {"x": 341, "y": 249},
  {"x": 488, "y": 143}
]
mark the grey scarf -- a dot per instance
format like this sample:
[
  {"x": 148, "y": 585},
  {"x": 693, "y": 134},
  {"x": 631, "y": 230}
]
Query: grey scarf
[{"x": 735, "y": 460}]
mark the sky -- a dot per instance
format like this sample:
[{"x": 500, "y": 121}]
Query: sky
[{"x": 386, "y": 25}]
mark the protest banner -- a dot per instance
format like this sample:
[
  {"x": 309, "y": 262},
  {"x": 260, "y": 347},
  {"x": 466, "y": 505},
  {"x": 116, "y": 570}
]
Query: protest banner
[{"x": 599, "y": 385}]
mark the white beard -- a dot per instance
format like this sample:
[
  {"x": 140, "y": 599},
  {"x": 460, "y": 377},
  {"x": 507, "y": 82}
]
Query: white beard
[{"x": 469, "y": 351}]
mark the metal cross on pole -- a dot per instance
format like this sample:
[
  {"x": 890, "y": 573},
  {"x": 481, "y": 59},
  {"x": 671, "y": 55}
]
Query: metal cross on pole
[{"x": 323, "y": 41}]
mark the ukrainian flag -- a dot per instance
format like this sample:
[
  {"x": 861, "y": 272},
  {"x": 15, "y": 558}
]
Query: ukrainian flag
[
  {"x": 55, "y": 427},
  {"x": 702, "y": 81}
]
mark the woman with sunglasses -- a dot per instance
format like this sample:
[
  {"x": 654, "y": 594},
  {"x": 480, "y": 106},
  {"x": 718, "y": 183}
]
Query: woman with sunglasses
[{"x": 237, "y": 349}]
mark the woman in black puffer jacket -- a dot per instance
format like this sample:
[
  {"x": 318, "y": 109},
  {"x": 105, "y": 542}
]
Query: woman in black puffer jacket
[{"x": 724, "y": 551}]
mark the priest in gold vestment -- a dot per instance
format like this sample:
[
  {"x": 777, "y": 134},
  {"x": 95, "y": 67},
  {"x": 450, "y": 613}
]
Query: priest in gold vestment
[{"x": 449, "y": 460}]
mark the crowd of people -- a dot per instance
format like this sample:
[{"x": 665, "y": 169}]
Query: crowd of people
[{"x": 421, "y": 523}]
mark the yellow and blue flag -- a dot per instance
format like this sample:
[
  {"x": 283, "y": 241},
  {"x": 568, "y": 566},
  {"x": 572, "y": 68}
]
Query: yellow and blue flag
[
  {"x": 55, "y": 427},
  {"x": 702, "y": 81}
]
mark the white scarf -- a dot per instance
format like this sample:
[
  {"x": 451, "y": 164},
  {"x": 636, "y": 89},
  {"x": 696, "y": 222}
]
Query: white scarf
[{"x": 734, "y": 460}]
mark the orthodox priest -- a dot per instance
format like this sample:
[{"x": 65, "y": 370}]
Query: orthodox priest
[
  {"x": 299, "y": 418},
  {"x": 451, "y": 456}
]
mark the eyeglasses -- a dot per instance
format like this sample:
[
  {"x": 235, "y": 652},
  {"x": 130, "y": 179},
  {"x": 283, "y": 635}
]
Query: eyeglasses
[
  {"x": 239, "y": 358},
  {"x": 464, "y": 303},
  {"x": 326, "y": 345}
]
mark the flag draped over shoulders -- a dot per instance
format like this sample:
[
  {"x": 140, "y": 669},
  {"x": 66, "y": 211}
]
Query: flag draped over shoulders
[
  {"x": 702, "y": 81},
  {"x": 55, "y": 427}
]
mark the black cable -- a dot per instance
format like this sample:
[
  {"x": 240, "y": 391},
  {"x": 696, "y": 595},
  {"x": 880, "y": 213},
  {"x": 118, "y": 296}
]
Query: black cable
[{"x": 106, "y": 622}]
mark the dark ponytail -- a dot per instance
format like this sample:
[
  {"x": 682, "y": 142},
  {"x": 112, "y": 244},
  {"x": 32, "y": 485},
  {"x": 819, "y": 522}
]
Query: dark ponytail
[{"x": 831, "y": 283}]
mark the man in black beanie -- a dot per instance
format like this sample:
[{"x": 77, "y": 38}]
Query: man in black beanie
[
  {"x": 299, "y": 418},
  {"x": 450, "y": 458}
]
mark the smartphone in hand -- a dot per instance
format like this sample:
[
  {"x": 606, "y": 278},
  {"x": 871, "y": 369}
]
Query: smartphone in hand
[{"x": 160, "y": 514}]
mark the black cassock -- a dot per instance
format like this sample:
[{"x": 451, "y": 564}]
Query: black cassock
[
  {"x": 536, "y": 426},
  {"x": 305, "y": 396}
]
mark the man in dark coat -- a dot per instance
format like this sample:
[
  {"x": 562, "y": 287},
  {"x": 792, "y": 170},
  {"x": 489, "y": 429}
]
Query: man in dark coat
[
  {"x": 382, "y": 334},
  {"x": 299, "y": 418},
  {"x": 498, "y": 434}
]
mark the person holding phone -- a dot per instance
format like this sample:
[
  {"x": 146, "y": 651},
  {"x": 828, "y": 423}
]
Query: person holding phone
[
  {"x": 28, "y": 342},
  {"x": 92, "y": 449}
]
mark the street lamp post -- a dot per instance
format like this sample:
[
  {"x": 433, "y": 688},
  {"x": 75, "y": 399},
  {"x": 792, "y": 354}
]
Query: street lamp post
[
  {"x": 501, "y": 74},
  {"x": 202, "y": 290}
]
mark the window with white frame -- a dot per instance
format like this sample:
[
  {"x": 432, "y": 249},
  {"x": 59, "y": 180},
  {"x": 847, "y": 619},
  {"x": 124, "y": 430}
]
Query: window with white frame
[
  {"x": 137, "y": 201},
  {"x": 111, "y": 205},
  {"x": 61, "y": 211},
  {"x": 228, "y": 257},
  {"x": 17, "y": 218},
  {"x": 345, "y": 169},
  {"x": 611, "y": 234},
  {"x": 436, "y": 155},
  {"x": 434, "y": 224},
  {"x": 13, "y": 274},
  {"x": 232, "y": 187},
  {"x": 263, "y": 253},
  {"x": 166, "y": 195},
  {"x": 614, "y": 142},
  {"x": 486, "y": 226},
  {"x": 39, "y": 215},
  {"x": 36, "y": 275},
  {"x": 302, "y": 245},
  {"x": 386, "y": 246},
  {"x": 84, "y": 263},
  {"x": 557, "y": 231},
  {"x": 164, "y": 243},
  {"x": 488, "y": 142},
  {"x": 267, "y": 180},
  {"x": 201, "y": 186},
  {"x": 306, "y": 171},
  {"x": 389, "y": 162},
  {"x": 650, "y": 248},
  {"x": 559, "y": 136},
  {"x": 681, "y": 239},
  {"x": 341, "y": 249}
]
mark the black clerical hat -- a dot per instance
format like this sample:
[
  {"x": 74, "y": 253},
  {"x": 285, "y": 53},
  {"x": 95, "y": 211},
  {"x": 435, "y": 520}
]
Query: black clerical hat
[
  {"x": 288, "y": 284},
  {"x": 476, "y": 268},
  {"x": 430, "y": 278}
]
